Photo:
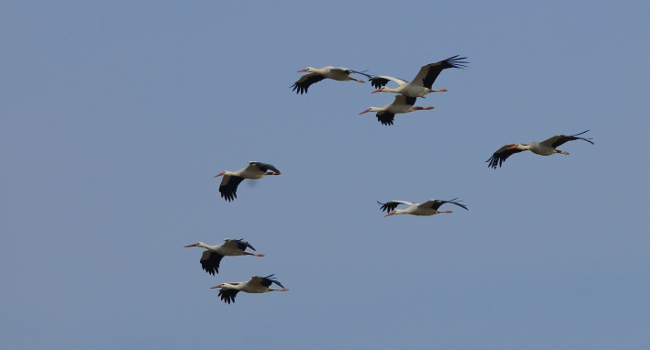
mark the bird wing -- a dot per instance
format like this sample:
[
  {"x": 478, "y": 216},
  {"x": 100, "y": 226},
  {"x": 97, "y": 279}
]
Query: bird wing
[
  {"x": 382, "y": 80},
  {"x": 228, "y": 294},
  {"x": 428, "y": 73},
  {"x": 385, "y": 117},
  {"x": 305, "y": 81},
  {"x": 265, "y": 281},
  {"x": 502, "y": 154},
  {"x": 390, "y": 206},
  {"x": 240, "y": 243},
  {"x": 264, "y": 167},
  {"x": 210, "y": 261},
  {"x": 403, "y": 100},
  {"x": 559, "y": 140},
  {"x": 237, "y": 244},
  {"x": 362, "y": 73},
  {"x": 228, "y": 187},
  {"x": 436, "y": 203},
  {"x": 259, "y": 281}
]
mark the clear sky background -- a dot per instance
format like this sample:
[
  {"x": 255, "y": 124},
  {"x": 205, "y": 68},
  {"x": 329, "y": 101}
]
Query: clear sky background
[{"x": 116, "y": 115}]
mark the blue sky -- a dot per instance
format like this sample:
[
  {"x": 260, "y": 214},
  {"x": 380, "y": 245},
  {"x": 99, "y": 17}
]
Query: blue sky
[{"x": 117, "y": 115}]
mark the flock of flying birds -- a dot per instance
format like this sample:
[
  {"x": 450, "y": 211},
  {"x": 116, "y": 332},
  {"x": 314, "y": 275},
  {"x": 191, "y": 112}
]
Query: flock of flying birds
[{"x": 407, "y": 93}]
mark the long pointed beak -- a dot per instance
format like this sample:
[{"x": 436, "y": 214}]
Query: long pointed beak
[
  {"x": 378, "y": 90},
  {"x": 215, "y": 287},
  {"x": 366, "y": 111},
  {"x": 219, "y": 175},
  {"x": 302, "y": 70},
  {"x": 191, "y": 245},
  {"x": 389, "y": 214}
]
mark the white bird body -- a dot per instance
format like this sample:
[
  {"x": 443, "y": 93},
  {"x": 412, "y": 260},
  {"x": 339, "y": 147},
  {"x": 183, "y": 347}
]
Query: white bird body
[
  {"x": 211, "y": 257},
  {"x": 315, "y": 75},
  {"x": 408, "y": 89},
  {"x": 334, "y": 73},
  {"x": 255, "y": 285},
  {"x": 400, "y": 105},
  {"x": 427, "y": 208},
  {"x": 232, "y": 179},
  {"x": 423, "y": 81},
  {"x": 545, "y": 148}
]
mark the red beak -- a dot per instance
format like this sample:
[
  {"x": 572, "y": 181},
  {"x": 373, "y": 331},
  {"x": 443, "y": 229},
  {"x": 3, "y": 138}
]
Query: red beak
[
  {"x": 191, "y": 245},
  {"x": 215, "y": 287},
  {"x": 302, "y": 70},
  {"x": 378, "y": 90},
  {"x": 219, "y": 175}
]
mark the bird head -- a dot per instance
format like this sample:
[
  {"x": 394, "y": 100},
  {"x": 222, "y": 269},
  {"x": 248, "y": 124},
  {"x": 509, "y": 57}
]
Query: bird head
[
  {"x": 200, "y": 244},
  {"x": 367, "y": 110}
]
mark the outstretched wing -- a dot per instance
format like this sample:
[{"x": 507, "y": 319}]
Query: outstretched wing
[
  {"x": 228, "y": 295},
  {"x": 558, "y": 140},
  {"x": 436, "y": 203},
  {"x": 502, "y": 154},
  {"x": 362, "y": 73},
  {"x": 265, "y": 281},
  {"x": 305, "y": 82},
  {"x": 228, "y": 187},
  {"x": 385, "y": 117},
  {"x": 265, "y": 167},
  {"x": 404, "y": 100},
  {"x": 428, "y": 73},
  {"x": 382, "y": 80},
  {"x": 210, "y": 261},
  {"x": 389, "y": 207},
  {"x": 239, "y": 243}
]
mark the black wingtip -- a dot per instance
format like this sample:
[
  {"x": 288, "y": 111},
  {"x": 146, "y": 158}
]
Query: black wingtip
[
  {"x": 457, "y": 62},
  {"x": 362, "y": 73},
  {"x": 493, "y": 162},
  {"x": 588, "y": 139},
  {"x": 299, "y": 89}
]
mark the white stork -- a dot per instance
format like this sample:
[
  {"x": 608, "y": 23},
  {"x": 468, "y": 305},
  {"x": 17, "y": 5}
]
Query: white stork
[
  {"x": 232, "y": 179},
  {"x": 424, "y": 209},
  {"x": 213, "y": 254},
  {"x": 329, "y": 72},
  {"x": 423, "y": 81},
  {"x": 402, "y": 104},
  {"x": 257, "y": 284},
  {"x": 544, "y": 148}
]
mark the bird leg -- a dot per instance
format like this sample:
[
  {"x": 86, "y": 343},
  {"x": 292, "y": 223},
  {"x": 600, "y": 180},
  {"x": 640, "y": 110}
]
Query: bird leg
[
  {"x": 258, "y": 255},
  {"x": 562, "y": 152}
]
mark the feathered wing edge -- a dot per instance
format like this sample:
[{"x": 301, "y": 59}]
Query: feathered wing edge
[{"x": 228, "y": 295}]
